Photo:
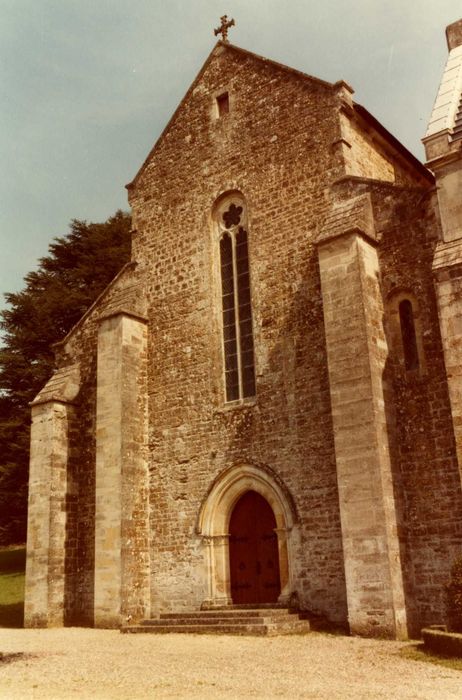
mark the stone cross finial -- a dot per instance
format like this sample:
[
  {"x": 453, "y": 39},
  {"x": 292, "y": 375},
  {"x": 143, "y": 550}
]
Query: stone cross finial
[{"x": 225, "y": 25}]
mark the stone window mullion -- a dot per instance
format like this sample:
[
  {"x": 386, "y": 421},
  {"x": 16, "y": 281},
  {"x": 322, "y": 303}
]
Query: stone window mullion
[
  {"x": 237, "y": 327},
  {"x": 230, "y": 347},
  {"x": 237, "y": 316}
]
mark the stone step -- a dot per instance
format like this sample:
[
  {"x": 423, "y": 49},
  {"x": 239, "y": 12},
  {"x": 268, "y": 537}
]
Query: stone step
[
  {"x": 206, "y": 621},
  {"x": 262, "y": 620},
  {"x": 253, "y": 606},
  {"x": 197, "y": 629},
  {"x": 267, "y": 620},
  {"x": 232, "y": 614},
  {"x": 297, "y": 627}
]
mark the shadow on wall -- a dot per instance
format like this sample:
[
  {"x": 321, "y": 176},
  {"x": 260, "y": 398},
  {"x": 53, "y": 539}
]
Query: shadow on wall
[{"x": 80, "y": 507}]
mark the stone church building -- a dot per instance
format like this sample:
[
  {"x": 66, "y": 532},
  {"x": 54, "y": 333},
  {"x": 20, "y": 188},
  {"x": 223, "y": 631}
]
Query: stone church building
[{"x": 265, "y": 405}]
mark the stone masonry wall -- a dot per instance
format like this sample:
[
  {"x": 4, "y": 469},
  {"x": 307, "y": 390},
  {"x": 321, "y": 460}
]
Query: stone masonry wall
[
  {"x": 357, "y": 352},
  {"x": 121, "y": 503},
  {"x": 81, "y": 347},
  {"x": 363, "y": 157},
  {"x": 275, "y": 147},
  {"x": 368, "y": 154},
  {"x": 281, "y": 146},
  {"x": 427, "y": 481}
]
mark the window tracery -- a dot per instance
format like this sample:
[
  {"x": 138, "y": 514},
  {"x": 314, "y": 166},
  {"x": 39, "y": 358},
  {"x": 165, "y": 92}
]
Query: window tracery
[{"x": 238, "y": 345}]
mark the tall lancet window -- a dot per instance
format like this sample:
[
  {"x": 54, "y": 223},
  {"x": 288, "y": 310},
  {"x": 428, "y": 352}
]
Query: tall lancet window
[
  {"x": 408, "y": 335},
  {"x": 404, "y": 324},
  {"x": 238, "y": 352}
]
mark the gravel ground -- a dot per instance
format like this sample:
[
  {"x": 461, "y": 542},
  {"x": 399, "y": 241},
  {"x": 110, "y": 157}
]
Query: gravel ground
[{"x": 86, "y": 663}]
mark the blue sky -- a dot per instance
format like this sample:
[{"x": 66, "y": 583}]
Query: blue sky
[{"x": 86, "y": 87}]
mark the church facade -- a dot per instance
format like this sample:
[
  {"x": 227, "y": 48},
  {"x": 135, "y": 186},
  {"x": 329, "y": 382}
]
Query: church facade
[{"x": 265, "y": 405}]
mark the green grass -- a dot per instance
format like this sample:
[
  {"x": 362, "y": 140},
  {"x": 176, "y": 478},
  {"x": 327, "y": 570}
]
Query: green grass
[
  {"x": 12, "y": 567},
  {"x": 417, "y": 652}
]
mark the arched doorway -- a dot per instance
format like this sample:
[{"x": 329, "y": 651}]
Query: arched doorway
[
  {"x": 253, "y": 551},
  {"x": 214, "y": 528}
]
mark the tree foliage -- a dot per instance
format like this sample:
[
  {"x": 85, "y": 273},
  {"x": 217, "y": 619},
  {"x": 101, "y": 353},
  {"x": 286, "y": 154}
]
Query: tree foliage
[{"x": 76, "y": 270}]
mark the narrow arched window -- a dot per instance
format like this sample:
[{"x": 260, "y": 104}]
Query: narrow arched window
[
  {"x": 408, "y": 335},
  {"x": 238, "y": 351}
]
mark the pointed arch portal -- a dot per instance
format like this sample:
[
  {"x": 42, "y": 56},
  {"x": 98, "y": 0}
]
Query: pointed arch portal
[
  {"x": 246, "y": 523},
  {"x": 253, "y": 551}
]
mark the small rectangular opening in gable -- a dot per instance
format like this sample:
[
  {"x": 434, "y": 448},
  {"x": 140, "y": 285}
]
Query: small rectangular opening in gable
[{"x": 223, "y": 104}]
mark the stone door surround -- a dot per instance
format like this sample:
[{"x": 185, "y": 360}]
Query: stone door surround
[{"x": 213, "y": 527}]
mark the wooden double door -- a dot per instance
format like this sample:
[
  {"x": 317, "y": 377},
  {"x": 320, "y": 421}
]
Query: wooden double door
[{"x": 253, "y": 551}]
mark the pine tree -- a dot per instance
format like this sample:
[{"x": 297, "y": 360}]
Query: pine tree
[{"x": 79, "y": 266}]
